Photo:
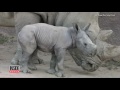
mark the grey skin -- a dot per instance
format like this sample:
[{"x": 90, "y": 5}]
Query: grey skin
[
  {"x": 87, "y": 63},
  {"x": 105, "y": 50},
  {"x": 54, "y": 18},
  {"x": 56, "y": 40},
  {"x": 22, "y": 19}
]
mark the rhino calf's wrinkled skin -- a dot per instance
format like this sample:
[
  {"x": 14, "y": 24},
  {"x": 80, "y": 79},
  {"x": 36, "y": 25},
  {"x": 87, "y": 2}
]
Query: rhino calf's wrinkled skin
[{"x": 56, "y": 40}]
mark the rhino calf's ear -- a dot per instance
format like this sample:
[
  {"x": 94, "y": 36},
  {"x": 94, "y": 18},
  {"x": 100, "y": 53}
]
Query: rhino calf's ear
[
  {"x": 87, "y": 27},
  {"x": 76, "y": 26}
]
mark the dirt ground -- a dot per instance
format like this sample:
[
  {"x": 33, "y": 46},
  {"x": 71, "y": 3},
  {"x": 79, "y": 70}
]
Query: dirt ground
[{"x": 7, "y": 51}]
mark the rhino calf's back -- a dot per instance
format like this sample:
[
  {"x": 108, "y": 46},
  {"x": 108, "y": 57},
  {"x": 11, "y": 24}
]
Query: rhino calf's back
[{"x": 45, "y": 36}]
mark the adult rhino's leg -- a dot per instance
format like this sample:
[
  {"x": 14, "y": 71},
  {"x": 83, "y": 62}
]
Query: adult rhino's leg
[
  {"x": 32, "y": 62},
  {"x": 18, "y": 55},
  {"x": 60, "y": 54},
  {"x": 22, "y": 19},
  {"x": 35, "y": 59},
  {"x": 52, "y": 64}
]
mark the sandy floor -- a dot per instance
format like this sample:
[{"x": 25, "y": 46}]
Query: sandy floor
[
  {"x": 71, "y": 69},
  {"x": 7, "y": 52}
]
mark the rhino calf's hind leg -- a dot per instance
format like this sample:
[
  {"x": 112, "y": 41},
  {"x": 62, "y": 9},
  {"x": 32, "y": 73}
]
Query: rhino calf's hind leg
[
  {"x": 52, "y": 64},
  {"x": 22, "y": 19},
  {"x": 24, "y": 63},
  {"x": 28, "y": 46},
  {"x": 28, "y": 49}
]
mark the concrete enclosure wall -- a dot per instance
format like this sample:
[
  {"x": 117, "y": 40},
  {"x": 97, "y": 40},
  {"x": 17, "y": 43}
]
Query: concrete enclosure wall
[{"x": 7, "y": 19}]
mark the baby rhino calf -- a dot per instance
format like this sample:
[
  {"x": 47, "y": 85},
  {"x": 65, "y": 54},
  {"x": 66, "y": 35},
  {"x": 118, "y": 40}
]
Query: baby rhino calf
[{"x": 56, "y": 40}]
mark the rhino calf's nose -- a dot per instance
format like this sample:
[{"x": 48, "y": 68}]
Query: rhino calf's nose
[{"x": 94, "y": 52}]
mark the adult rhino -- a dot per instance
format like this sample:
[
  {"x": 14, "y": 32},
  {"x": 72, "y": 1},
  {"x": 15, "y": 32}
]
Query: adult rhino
[{"x": 66, "y": 19}]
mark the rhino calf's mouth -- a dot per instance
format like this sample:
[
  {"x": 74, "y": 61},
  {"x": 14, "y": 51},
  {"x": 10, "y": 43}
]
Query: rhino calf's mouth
[{"x": 89, "y": 64}]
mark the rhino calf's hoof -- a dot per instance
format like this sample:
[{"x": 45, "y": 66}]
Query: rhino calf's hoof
[
  {"x": 32, "y": 67},
  {"x": 59, "y": 74},
  {"x": 25, "y": 70},
  {"x": 51, "y": 71}
]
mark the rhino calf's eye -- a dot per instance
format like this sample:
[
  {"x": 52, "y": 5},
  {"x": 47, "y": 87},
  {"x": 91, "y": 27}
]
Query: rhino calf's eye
[{"x": 85, "y": 44}]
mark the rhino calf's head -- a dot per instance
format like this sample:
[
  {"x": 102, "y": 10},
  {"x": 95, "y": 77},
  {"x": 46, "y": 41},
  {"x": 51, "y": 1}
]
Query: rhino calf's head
[{"x": 83, "y": 41}]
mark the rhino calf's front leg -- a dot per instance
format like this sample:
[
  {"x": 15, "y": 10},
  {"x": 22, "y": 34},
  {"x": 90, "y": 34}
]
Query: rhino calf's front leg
[
  {"x": 52, "y": 64},
  {"x": 60, "y": 54}
]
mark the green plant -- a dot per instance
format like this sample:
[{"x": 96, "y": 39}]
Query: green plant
[{"x": 3, "y": 39}]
